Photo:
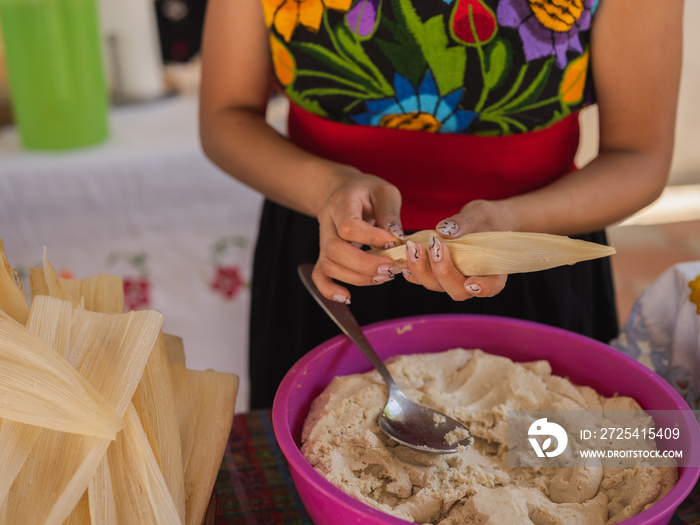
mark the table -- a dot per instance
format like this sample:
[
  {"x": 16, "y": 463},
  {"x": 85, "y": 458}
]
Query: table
[
  {"x": 149, "y": 207},
  {"x": 254, "y": 485}
]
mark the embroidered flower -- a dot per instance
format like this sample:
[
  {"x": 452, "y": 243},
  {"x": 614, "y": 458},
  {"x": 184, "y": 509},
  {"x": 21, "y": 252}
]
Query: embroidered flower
[
  {"x": 573, "y": 84},
  {"x": 286, "y": 15},
  {"x": 137, "y": 293},
  {"x": 421, "y": 108},
  {"x": 227, "y": 281},
  {"x": 547, "y": 28},
  {"x": 472, "y": 22},
  {"x": 363, "y": 17},
  {"x": 283, "y": 62}
]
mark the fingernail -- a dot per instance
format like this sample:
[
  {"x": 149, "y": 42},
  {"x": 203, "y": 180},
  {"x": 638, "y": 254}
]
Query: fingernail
[
  {"x": 396, "y": 229},
  {"x": 448, "y": 228},
  {"x": 435, "y": 249},
  {"x": 412, "y": 251},
  {"x": 390, "y": 245},
  {"x": 341, "y": 299},
  {"x": 474, "y": 289},
  {"x": 388, "y": 269},
  {"x": 406, "y": 272},
  {"x": 379, "y": 279}
]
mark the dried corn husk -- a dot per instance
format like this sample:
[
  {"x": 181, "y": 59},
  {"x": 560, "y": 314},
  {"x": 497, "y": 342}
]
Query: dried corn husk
[
  {"x": 154, "y": 401},
  {"x": 100, "y": 293},
  {"x": 53, "y": 282},
  {"x": 175, "y": 349},
  {"x": 496, "y": 253},
  {"x": 207, "y": 406},
  {"x": 81, "y": 513},
  {"x": 17, "y": 439},
  {"x": 140, "y": 492},
  {"x": 39, "y": 387},
  {"x": 13, "y": 300},
  {"x": 49, "y": 476},
  {"x": 103, "y": 508},
  {"x": 110, "y": 351}
]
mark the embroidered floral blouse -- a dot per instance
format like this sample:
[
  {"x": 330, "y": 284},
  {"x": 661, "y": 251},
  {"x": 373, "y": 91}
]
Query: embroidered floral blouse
[{"x": 482, "y": 67}]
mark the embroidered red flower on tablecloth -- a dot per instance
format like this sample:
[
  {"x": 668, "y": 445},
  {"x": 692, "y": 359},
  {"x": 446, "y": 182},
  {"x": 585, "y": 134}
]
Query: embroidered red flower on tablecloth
[
  {"x": 137, "y": 293},
  {"x": 227, "y": 281}
]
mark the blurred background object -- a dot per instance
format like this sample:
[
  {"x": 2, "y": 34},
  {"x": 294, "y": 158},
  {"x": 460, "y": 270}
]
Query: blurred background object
[
  {"x": 5, "y": 110},
  {"x": 132, "y": 50},
  {"x": 55, "y": 72},
  {"x": 180, "y": 24}
]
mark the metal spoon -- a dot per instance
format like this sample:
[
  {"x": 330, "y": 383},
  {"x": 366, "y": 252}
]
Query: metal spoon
[{"x": 411, "y": 424}]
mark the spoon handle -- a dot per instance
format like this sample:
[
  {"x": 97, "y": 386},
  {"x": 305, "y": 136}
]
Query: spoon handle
[{"x": 342, "y": 316}]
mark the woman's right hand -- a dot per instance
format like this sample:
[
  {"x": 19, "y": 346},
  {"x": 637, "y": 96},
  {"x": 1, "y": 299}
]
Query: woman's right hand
[{"x": 362, "y": 210}]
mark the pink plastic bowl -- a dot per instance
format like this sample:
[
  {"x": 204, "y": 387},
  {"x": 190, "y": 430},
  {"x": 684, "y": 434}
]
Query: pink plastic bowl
[{"x": 584, "y": 360}]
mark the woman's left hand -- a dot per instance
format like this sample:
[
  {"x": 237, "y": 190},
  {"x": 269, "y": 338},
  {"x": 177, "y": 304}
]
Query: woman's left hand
[{"x": 435, "y": 270}]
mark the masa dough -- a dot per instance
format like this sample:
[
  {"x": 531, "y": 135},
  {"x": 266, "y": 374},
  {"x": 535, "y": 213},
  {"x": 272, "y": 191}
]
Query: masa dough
[{"x": 342, "y": 440}]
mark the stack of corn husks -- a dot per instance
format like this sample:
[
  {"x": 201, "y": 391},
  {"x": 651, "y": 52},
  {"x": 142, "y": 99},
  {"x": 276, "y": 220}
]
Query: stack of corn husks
[{"x": 100, "y": 420}]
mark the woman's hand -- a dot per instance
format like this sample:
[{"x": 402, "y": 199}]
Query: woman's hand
[
  {"x": 435, "y": 269},
  {"x": 362, "y": 210}
]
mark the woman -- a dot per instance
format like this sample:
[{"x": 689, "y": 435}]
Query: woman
[{"x": 454, "y": 115}]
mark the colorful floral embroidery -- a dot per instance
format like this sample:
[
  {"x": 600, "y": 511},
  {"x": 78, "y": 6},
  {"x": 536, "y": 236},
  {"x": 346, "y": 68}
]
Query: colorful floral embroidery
[
  {"x": 472, "y": 22},
  {"x": 485, "y": 67},
  {"x": 546, "y": 27},
  {"x": 420, "y": 108},
  {"x": 362, "y": 18},
  {"x": 286, "y": 15}
]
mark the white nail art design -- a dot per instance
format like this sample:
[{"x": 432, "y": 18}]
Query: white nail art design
[{"x": 341, "y": 299}]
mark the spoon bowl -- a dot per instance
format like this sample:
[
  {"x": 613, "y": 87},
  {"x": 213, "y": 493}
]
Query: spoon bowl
[{"x": 403, "y": 420}]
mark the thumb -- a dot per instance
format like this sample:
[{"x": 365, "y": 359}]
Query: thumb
[
  {"x": 388, "y": 218},
  {"x": 454, "y": 226}
]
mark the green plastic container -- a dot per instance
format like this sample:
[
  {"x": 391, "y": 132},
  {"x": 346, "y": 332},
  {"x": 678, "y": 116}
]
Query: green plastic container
[{"x": 57, "y": 84}]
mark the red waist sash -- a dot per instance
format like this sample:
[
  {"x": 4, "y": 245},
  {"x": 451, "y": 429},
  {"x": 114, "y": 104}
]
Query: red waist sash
[{"x": 436, "y": 173}]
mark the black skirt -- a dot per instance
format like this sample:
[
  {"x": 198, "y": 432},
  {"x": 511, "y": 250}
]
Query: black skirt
[{"x": 286, "y": 322}]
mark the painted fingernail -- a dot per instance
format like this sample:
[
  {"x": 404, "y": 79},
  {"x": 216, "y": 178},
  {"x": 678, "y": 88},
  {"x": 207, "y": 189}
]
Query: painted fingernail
[
  {"x": 474, "y": 289},
  {"x": 406, "y": 272},
  {"x": 396, "y": 229},
  {"x": 390, "y": 245},
  {"x": 388, "y": 269},
  {"x": 341, "y": 299},
  {"x": 448, "y": 228},
  {"x": 412, "y": 251},
  {"x": 379, "y": 279},
  {"x": 435, "y": 249}
]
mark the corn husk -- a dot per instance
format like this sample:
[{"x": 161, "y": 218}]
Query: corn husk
[
  {"x": 103, "y": 508},
  {"x": 13, "y": 300},
  {"x": 497, "y": 253},
  {"x": 99, "y": 293},
  {"x": 146, "y": 474},
  {"x": 81, "y": 513},
  {"x": 175, "y": 349},
  {"x": 109, "y": 351},
  {"x": 154, "y": 402},
  {"x": 141, "y": 494},
  {"x": 207, "y": 407},
  {"x": 18, "y": 439},
  {"x": 38, "y": 387}
]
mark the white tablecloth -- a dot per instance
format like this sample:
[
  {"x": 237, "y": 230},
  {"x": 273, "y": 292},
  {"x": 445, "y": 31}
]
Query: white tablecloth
[{"x": 149, "y": 207}]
